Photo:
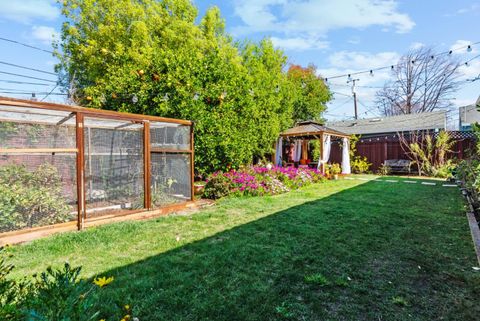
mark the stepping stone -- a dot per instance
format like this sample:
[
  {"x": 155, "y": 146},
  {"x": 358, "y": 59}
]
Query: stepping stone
[
  {"x": 449, "y": 185},
  {"x": 391, "y": 181},
  {"x": 350, "y": 178},
  {"x": 410, "y": 182},
  {"x": 363, "y": 179},
  {"x": 428, "y": 183}
]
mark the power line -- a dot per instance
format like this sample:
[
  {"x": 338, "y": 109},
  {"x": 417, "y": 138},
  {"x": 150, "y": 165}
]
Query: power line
[
  {"x": 27, "y": 68},
  {"x": 23, "y": 82},
  {"x": 26, "y": 45},
  {"x": 31, "y": 92},
  {"x": 25, "y": 76}
]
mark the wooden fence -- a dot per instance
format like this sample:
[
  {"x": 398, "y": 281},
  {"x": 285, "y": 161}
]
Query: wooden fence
[{"x": 379, "y": 149}]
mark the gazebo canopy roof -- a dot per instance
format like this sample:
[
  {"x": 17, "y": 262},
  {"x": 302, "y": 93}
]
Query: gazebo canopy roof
[{"x": 309, "y": 128}]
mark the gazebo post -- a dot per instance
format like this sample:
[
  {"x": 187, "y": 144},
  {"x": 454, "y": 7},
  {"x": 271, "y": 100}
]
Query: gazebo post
[{"x": 320, "y": 159}]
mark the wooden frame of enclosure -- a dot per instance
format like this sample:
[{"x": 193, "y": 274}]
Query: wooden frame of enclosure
[{"x": 81, "y": 113}]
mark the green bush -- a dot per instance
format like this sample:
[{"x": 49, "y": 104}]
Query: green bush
[
  {"x": 359, "y": 165},
  {"x": 29, "y": 199},
  {"x": 55, "y": 295},
  {"x": 217, "y": 187}
]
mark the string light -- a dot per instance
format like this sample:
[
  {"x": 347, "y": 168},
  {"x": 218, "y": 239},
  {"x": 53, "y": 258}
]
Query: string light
[
  {"x": 134, "y": 99},
  {"x": 469, "y": 48},
  {"x": 196, "y": 96},
  {"x": 371, "y": 73},
  {"x": 392, "y": 67}
]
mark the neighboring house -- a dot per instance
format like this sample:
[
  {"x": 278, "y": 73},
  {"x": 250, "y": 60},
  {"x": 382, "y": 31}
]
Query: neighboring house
[
  {"x": 379, "y": 136},
  {"x": 381, "y": 126},
  {"x": 468, "y": 115}
]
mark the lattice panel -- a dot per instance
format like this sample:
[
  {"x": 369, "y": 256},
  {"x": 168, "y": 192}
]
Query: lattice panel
[
  {"x": 113, "y": 166},
  {"x": 169, "y": 136},
  {"x": 37, "y": 190},
  {"x": 170, "y": 178}
]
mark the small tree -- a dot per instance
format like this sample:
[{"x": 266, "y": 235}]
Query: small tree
[{"x": 428, "y": 152}]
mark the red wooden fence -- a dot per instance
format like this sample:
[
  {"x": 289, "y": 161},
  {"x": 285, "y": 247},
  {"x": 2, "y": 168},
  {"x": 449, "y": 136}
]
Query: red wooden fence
[{"x": 377, "y": 149}]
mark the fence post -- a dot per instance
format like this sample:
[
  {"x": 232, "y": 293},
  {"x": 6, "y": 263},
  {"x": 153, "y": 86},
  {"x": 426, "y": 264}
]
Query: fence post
[
  {"x": 147, "y": 189},
  {"x": 80, "y": 170}
]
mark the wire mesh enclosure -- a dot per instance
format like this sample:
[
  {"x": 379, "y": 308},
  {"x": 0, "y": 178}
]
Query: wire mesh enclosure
[{"x": 61, "y": 164}]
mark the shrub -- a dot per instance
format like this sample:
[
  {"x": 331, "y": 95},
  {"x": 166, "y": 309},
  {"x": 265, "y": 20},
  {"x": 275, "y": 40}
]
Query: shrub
[
  {"x": 384, "y": 170},
  {"x": 54, "y": 295},
  {"x": 359, "y": 165},
  {"x": 29, "y": 199},
  {"x": 257, "y": 181}
]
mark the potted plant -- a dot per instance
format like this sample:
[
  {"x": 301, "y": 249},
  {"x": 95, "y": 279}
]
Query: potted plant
[
  {"x": 334, "y": 170},
  {"x": 198, "y": 188}
]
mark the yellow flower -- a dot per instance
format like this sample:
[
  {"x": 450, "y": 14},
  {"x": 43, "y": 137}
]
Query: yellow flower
[
  {"x": 103, "y": 320},
  {"x": 127, "y": 307},
  {"x": 103, "y": 281}
]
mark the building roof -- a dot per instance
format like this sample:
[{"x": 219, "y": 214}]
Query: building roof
[
  {"x": 311, "y": 128},
  {"x": 392, "y": 124}
]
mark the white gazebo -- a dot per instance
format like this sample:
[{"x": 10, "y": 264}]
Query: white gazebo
[{"x": 310, "y": 130}]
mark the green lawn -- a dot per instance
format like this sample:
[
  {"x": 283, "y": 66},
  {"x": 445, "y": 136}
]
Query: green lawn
[{"x": 342, "y": 250}]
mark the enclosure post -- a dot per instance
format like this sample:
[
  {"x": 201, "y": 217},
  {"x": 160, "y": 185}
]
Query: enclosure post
[
  {"x": 192, "y": 160},
  {"x": 147, "y": 190},
  {"x": 80, "y": 171}
]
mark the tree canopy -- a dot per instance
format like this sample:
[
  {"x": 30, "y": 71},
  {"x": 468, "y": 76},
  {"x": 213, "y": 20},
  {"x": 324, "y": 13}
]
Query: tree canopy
[
  {"x": 151, "y": 57},
  {"x": 423, "y": 82}
]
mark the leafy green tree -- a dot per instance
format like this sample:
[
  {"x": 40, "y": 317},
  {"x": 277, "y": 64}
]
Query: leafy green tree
[
  {"x": 311, "y": 93},
  {"x": 150, "y": 57}
]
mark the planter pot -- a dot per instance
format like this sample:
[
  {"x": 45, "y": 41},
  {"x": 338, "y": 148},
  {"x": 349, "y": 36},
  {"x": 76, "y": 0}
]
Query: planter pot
[
  {"x": 335, "y": 176},
  {"x": 198, "y": 189}
]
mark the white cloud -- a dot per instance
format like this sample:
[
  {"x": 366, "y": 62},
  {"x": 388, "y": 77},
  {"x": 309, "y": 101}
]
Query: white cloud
[
  {"x": 299, "y": 43},
  {"x": 25, "y": 11},
  {"x": 460, "y": 47},
  {"x": 417, "y": 45},
  {"x": 362, "y": 60},
  {"x": 316, "y": 18},
  {"x": 471, "y": 70},
  {"x": 44, "y": 34}
]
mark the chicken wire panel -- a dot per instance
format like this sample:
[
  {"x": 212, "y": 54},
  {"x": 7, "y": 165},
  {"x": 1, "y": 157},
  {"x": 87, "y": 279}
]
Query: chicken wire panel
[
  {"x": 37, "y": 190},
  {"x": 36, "y": 128},
  {"x": 169, "y": 136},
  {"x": 170, "y": 179},
  {"x": 114, "y": 165}
]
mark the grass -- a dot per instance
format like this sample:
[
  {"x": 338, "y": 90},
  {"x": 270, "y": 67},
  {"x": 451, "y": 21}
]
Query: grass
[{"x": 343, "y": 250}]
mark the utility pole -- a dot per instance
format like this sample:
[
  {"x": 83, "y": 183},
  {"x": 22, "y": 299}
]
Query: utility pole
[{"x": 354, "y": 92}]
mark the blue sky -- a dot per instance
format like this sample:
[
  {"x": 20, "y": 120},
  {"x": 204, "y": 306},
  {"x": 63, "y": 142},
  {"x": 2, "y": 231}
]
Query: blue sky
[{"x": 337, "y": 36}]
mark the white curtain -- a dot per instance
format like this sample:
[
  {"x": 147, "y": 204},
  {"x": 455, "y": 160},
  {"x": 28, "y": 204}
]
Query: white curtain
[
  {"x": 297, "y": 151},
  {"x": 346, "y": 156},
  {"x": 326, "y": 150},
  {"x": 278, "y": 152}
]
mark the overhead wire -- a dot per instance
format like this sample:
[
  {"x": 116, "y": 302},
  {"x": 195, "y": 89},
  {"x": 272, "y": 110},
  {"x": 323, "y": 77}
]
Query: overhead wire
[{"x": 26, "y": 45}]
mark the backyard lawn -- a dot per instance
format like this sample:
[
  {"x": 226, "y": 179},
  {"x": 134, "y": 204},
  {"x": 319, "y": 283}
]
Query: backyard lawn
[{"x": 342, "y": 250}]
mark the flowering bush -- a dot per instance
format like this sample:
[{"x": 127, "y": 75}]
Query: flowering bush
[{"x": 258, "y": 180}]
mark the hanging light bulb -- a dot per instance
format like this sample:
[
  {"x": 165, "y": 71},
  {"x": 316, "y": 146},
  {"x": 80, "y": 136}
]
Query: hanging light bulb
[
  {"x": 304, "y": 84},
  {"x": 196, "y": 96},
  {"x": 134, "y": 99},
  {"x": 349, "y": 77},
  {"x": 450, "y": 52},
  {"x": 326, "y": 79},
  {"x": 251, "y": 92},
  {"x": 165, "y": 98},
  {"x": 466, "y": 63},
  {"x": 277, "y": 89},
  {"x": 469, "y": 48},
  {"x": 371, "y": 73},
  {"x": 432, "y": 57}
]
